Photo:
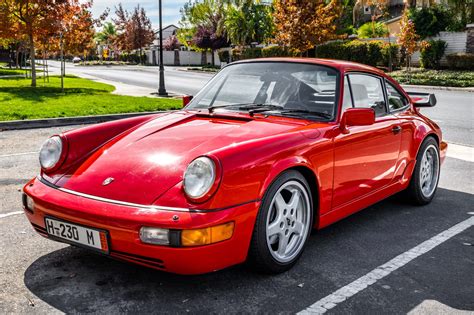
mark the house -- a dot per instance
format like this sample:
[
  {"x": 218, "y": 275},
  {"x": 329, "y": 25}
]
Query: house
[{"x": 167, "y": 31}]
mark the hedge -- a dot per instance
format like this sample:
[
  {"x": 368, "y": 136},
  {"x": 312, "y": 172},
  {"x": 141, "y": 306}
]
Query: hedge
[
  {"x": 463, "y": 61},
  {"x": 373, "y": 53}
]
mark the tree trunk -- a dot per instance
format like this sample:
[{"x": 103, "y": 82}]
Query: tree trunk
[
  {"x": 17, "y": 58},
  {"x": 213, "y": 58},
  {"x": 33, "y": 60},
  {"x": 204, "y": 57}
]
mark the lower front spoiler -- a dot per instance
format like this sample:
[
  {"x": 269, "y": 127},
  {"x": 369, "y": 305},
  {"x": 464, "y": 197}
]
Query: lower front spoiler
[{"x": 123, "y": 225}]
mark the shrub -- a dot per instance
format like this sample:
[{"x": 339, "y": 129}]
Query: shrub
[
  {"x": 372, "y": 29},
  {"x": 224, "y": 56},
  {"x": 462, "y": 61},
  {"x": 236, "y": 54},
  {"x": 390, "y": 52},
  {"x": 431, "y": 53},
  {"x": 251, "y": 53}
]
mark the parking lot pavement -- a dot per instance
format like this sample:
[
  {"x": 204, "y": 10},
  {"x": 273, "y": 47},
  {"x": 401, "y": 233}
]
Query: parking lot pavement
[{"x": 42, "y": 276}]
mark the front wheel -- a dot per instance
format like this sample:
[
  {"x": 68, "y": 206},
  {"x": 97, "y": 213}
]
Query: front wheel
[
  {"x": 283, "y": 224},
  {"x": 424, "y": 181}
]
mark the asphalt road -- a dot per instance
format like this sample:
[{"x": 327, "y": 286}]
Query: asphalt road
[{"x": 41, "y": 276}]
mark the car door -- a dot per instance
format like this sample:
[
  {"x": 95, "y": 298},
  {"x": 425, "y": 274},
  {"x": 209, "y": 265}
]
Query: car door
[{"x": 365, "y": 158}]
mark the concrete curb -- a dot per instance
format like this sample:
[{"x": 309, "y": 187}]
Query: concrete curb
[
  {"x": 442, "y": 88},
  {"x": 65, "y": 121}
]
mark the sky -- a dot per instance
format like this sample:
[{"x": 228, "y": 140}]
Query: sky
[{"x": 171, "y": 9}]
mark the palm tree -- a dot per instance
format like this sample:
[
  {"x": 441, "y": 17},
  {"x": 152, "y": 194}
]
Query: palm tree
[{"x": 107, "y": 35}]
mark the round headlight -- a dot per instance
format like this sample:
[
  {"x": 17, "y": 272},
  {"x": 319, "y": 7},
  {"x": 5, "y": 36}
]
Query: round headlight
[
  {"x": 199, "y": 177},
  {"x": 50, "y": 152}
]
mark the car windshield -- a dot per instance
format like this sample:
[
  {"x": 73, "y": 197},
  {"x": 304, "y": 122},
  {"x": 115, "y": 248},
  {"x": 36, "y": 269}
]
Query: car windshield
[{"x": 281, "y": 88}]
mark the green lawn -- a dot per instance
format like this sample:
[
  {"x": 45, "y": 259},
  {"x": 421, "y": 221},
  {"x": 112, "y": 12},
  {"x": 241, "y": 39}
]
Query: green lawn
[
  {"x": 81, "y": 97},
  {"x": 435, "y": 77}
]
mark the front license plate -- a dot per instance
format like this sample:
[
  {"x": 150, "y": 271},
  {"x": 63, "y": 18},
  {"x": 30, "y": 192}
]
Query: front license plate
[{"x": 77, "y": 234}]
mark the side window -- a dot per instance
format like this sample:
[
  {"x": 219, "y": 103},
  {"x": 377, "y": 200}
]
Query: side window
[
  {"x": 367, "y": 91},
  {"x": 396, "y": 100},
  {"x": 347, "y": 98}
]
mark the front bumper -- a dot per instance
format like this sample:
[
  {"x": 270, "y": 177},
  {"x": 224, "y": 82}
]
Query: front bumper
[{"x": 124, "y": 222}]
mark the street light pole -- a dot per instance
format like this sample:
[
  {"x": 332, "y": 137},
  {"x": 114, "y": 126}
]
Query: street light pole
[
  {"x": 62, "y": 60},
  {"x": 161, "y": 88}
]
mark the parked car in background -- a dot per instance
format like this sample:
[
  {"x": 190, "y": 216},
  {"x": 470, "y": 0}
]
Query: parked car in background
[
  {"x": 76, "y": 60},
  {"x": 267, "y": 151}
]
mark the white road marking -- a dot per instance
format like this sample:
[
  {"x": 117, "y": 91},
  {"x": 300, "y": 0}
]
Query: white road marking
[
  {"x": 4, "y": 215},
  {"x": 344, "y": 293},
  {"x": 17, "y": 154},
  {"x": 460, "y": 152}
]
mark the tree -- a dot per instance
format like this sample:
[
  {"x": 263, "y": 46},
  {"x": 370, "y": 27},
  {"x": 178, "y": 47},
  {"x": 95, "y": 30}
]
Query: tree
[
  {"x": 247, "y": 21},
  {"x": 134, "y": 30},
  {"x": 107, "y": 34},
  {"x": 171, "y": 43},
  {"x": 408, "y": 39},
  {"x": 206, "y": 38},
  {"x": 32, "y": 17},
  {"x": 302, "y": 25},
  {"x": 429, "y": 21},
  {"x": 202, "y": 26},
  {"x": 41, "y": 21}
]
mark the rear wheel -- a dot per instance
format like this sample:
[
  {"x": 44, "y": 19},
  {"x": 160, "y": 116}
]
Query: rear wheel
[
  {"x": 283, "y": 224},
  {"x": 424, "y": 181}
]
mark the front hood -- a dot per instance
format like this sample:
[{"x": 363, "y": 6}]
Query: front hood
[{"x": 148, "y": 161}]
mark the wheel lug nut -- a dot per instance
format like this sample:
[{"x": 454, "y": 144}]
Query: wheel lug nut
[{"x": 281, "y": 225}]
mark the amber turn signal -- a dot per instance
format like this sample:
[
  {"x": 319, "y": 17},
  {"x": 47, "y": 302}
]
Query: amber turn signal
[{"x": 206, "y": 236}]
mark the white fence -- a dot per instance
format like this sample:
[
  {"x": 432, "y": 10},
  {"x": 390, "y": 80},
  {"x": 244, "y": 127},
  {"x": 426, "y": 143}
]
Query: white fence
[
  {"x": 186, "y": 58},
  {"x": 456, "y": 43}
]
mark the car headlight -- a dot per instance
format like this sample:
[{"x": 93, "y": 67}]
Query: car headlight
[
  {"x": 50, "y": 152},
  {"x": 199, "y": 177}
]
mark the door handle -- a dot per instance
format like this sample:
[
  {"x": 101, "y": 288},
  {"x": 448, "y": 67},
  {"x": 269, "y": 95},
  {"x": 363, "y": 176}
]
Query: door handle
[{"x": 396, "y": 129}]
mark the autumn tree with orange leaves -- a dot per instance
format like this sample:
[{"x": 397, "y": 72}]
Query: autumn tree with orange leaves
[
  {"x": 408, "y": 39},
  {"x": 302, "y": 24},
  {"x": 134, "y": 30},
  {"x": 41, "y": 21}
]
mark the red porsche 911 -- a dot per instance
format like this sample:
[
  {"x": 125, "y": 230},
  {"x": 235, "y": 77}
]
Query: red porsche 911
[{"x": 268, "y": 150}]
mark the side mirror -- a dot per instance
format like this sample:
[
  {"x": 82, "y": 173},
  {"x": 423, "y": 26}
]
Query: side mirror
[
  {"x": 357, "y": 117},
  {"x": 422, "y": 99},
  {"x": 187, "y": 99}
]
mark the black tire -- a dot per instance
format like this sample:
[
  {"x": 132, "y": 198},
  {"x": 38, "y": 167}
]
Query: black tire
[
  {"x": 414, "y": 191},
  {"x": 259, "y": 257}
]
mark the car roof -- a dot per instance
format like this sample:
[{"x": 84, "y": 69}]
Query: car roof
[{"x": 341, "y": 65}]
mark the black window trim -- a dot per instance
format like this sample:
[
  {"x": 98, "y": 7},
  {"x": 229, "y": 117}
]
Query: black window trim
[
  {"x": 402, "y": 94},
  {"x": 382, "y": 81}
]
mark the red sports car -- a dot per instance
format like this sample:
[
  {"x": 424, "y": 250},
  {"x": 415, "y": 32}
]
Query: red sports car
[{"x": 268, "y": 150}]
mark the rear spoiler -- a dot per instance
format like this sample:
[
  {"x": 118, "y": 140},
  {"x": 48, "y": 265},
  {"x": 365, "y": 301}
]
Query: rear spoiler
[{"x": 422, "y": 99}]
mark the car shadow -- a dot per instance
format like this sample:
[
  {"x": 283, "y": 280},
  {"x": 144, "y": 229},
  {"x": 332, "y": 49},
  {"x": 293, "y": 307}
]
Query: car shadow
[{"x": 76, "y": 280}]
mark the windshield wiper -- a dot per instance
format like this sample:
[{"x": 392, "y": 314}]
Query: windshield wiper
[
  {"x": 305, "y": 111},
  {"x": 251, "y": 107}
]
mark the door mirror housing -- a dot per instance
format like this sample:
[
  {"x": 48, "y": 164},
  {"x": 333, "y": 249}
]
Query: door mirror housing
[
  {"x": 422, "y": 99},
  {"x": 187, "y": 99},
  {"x": 357, "y": 117}
]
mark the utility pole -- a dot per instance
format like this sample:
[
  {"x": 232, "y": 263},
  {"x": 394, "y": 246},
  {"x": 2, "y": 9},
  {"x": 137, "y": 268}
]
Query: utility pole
[{"x": 161, "y": 88}]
